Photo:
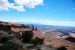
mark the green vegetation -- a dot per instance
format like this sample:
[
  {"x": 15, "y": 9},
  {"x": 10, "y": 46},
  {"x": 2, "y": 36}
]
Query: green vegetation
[
  {"x": 27, "y": 36},
  {"x": 4, "y": 39},
  {"x": 37, "y": 41}
]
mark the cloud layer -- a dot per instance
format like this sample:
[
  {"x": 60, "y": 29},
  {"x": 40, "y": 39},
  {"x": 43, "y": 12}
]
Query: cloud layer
[{"x": 19, "y": 5}]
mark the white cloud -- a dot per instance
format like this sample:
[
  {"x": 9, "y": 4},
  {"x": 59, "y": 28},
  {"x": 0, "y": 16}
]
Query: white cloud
[
  {"x": 29, "y": 3},
  {"x": 3, "y": 5},
  {"x": 20, "y": 4},
  {"x": 18, "y": 8}
]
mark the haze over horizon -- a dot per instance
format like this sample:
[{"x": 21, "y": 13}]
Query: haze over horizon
[{"x": 48, "y": 12}]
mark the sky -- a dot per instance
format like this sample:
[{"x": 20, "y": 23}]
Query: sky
[{"x": 48, "y": 12}]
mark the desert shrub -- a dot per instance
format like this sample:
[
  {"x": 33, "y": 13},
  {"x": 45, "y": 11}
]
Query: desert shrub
[
  {"x": 4, "y": 39},
  {"x": 27, "y": 36},
  {"x": 9, "y": 32},
  {"x": 10, "y": 46},
  {"x": 71, "y": 39},
  {"x": 37, "y": 41},
  {"x": 62, "y": 48}
]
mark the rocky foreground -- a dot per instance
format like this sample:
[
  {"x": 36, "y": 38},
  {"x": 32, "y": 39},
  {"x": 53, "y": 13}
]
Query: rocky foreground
[{"x": 22, "y": 37}]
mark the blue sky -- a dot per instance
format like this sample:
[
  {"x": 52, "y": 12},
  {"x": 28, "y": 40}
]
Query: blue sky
[{"x": 49, "y": 12}]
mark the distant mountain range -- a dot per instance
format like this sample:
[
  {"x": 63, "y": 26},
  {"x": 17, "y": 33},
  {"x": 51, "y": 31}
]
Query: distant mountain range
[{"x": 63, "y": 29}]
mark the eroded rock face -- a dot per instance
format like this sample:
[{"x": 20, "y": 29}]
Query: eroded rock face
[
  {"x": 5, "y": 27},
  {"x": 16, "y": 26}
]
